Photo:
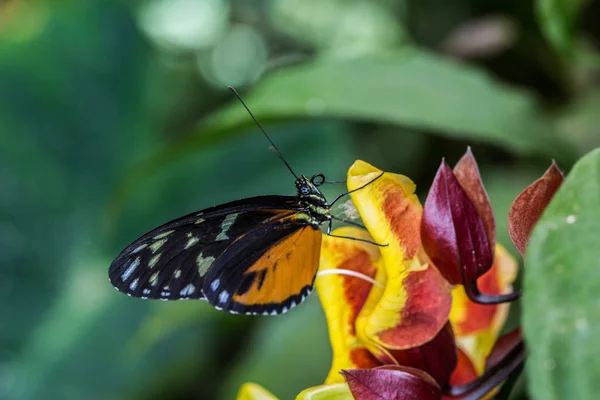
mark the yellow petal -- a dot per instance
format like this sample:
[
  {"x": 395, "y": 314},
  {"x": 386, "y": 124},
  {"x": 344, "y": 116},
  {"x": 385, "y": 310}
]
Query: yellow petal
[
  {"x": 343, "y": 295},
  {"x": 253, "y": 391},
  {"x": 337, "y": 391},
  {"x": 477, "y": 326},
  {"x": 416, "y": 301}
]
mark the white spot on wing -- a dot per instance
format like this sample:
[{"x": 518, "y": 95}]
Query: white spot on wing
[
  {"x": 274, "y": 312},
  {"x": 223, "y": 296},
  {"x": 227, "y": 222},
  {"x": 139, "y": 248},
  {"x": 130, "y": 269},
  {"x": 134, "y": 284},
  {"x": 146, "y": 291},
  {"x": 165, "y": 294},
  {"x": 153, "y": 260},
  {"x": 215, "y": 284},
  {"x": 157, "y": 245},
  {"x": 163, "y": 235},
  {"x": 284, "y": 309},
  {"x": 154, "y": 279},
  {"x": 204, "y": 264},
  {"x": 177, "y": 273},
  {"x": 188, "y": 290},
  {"x": 192, "y": 241},
  {"x": 293, "y": 304}
]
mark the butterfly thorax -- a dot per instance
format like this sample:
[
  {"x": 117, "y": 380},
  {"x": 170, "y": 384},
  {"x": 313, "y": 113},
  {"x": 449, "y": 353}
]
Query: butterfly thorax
[{"x": 317, "y": 208}]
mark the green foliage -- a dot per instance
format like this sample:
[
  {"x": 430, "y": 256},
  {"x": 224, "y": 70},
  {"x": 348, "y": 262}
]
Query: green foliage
[
  {"x": 561, "y": 316},
  {"x": 558, "y": 19},
  {"x": 411, "y": 88}
]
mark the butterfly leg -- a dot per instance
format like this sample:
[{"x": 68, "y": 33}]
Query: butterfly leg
[
  {"x": 354, "y": 190},
  {"x": 347, "y": 221},
  {"x": 328, "y": 233}
]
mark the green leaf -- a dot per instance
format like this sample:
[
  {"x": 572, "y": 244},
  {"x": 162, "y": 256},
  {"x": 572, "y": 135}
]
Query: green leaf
[
  {"x": 410, "y": 88},
  {"x": 557, "y": 19},
  {"x": 561, "y": 289}
]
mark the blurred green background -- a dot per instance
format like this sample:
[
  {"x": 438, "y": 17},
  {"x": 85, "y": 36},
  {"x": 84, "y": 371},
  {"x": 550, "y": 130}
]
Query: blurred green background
[{"x": 115, "y": 117}]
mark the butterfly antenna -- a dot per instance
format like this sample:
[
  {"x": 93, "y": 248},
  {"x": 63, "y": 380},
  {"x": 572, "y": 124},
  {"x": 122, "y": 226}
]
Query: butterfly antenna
[{"x": 275, "y": 149}]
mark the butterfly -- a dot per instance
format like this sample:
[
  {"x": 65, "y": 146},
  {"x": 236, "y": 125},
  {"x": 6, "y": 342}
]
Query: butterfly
[{"x": 258, "y": 255}]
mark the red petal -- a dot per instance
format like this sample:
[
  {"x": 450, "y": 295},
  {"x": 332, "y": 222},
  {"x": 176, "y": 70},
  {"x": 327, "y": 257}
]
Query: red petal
[
  {"x": 467, "y": 174},
  {"x": 425, "y": 312},
  {"x": 454, "y": 235},
  {"x": 391, "y": 382},
  {"x": 480, "y": 316},
  {"x": 437, "y": 357},
  {"x": 364, "y": 358},
  {"x": 527, "y": 208}
]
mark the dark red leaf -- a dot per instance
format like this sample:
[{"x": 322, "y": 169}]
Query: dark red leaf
[
  {"x": 392, "y": 382},
  {"x": 438, "y": 357},
  {"x": 467, "y": 173},
  {"x": 453, "y": 234},
  {"x": 527, "y": 208}
]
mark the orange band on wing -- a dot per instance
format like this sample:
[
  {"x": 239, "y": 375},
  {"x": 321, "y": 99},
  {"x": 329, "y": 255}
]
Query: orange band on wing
[{"x": 285, "y": 269}]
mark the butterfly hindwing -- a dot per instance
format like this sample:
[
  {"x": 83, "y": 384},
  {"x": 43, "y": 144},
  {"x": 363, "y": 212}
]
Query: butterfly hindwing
[
  {"x": 267, "y": 271},
  {"x": 170, "y": 262}
]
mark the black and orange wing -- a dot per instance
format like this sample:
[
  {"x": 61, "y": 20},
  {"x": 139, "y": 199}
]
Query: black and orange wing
[
  {"x": 267, "y": 271},
  {"x": 171, "y": 261}
]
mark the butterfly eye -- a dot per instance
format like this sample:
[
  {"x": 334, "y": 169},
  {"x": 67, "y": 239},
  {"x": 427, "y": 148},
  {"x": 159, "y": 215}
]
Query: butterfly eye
[
  {"x": 304, "y": 189},
  {"x": 317, "y": 179}
]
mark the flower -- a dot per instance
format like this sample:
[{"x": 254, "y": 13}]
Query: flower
[
  {"x": 415, "y": 305},
  {"x": 373, "y": 324}
]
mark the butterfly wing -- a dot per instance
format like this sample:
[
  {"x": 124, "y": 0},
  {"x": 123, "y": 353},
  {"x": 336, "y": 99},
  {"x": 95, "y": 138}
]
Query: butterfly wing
[
  {"x": 170, "y": 262},
  {"x": 267, "y": 271}
]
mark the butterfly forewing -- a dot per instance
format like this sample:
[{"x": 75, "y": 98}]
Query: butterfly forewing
[
  {"x": 170, "y": 262},
  {"x": 268, "y": 271}
]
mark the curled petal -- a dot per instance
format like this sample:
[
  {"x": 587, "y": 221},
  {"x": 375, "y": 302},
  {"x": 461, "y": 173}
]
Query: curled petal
[
  {"x": 527, "y": 208},
  {"x": 416, "y": 301},
  {"x": 392, "y": 382},
  {"x": 253, "y": 391},
  {"x": 453, "y": 233},
  {"x": 507, "y": 343},
  {"x": 477, "y": 326},
  {"x": 343, "y": 296},
  {"x": 469, "y": 317},
  {"x": 389, "y": 208},
  {"x": 337, "y": 391},
  {"x": 467, "y": 174}
]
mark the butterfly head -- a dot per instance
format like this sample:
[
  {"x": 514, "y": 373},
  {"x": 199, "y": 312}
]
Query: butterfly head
[{"x": 308, "y": 190}]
